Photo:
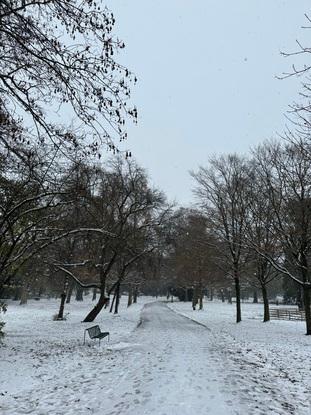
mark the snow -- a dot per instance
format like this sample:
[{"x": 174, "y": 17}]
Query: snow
[
  {"x": 157, "y": 361},
  {"x": 267, "y": 366},
  {"x": 47, "y": 368}
]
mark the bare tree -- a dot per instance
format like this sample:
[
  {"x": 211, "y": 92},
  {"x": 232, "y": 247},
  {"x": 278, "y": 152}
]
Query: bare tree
[
  {"x": 28, "y": 200},
  {"x": 192, "y": 255},
  {"x": 60, "y": 55},
  {"x": 259, "y": 237},
  {"x": 222, "y": 193},
  {"x": 286, "y": 171},
  {"x": 123, "y": 214}
]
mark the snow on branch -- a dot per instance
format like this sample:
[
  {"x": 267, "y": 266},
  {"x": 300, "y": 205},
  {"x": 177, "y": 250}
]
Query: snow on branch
[{"x": 71, "y": 275}]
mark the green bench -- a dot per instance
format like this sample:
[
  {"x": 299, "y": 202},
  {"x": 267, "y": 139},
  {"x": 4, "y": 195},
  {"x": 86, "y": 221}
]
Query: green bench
[{"x": 94, "y": 332}]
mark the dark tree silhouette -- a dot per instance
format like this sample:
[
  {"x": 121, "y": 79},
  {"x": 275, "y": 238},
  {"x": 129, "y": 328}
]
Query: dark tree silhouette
[{"x": 60, "y": 55}]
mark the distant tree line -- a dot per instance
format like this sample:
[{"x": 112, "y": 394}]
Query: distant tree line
[{"x": 252, "y": 226}]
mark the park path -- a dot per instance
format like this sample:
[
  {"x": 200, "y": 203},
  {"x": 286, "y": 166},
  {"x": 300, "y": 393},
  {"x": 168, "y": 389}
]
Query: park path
[{"x": 170, "y": 369}]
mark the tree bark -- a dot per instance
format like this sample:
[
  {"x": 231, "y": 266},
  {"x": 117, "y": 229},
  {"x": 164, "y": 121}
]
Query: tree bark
[
  {"x": 97, "y": 309},
  {"x": 300, "y": 298},
  {"x": 211, "y": 298},
  {"x": 116, "y": 308},
  {"x": 238, "y": 299},
  {"x": 62, "y": 300},
  {"x": 135, "y": 294},
  {"x": 130, "y": 296},
  {"x": 69, "y": 294},
  {"x": 94, "y": 294},
  {"x": 195, "y": 298},
  {"x": 40, "y": 292},
  {"x": 307, "y": 304},
  {"x": 229, "y": 297},
  {"x": 112, "y": 303},
  {"x": 24, "y": 295},
  {"x": 79, "y": 293},
  {"x": 255, "y": 297},
  {"x": 62, "y": 306},
  {"x": 17, "y": 294},
  {"x": 201, "y": 299},
  {"x": 266, "y": 314}
]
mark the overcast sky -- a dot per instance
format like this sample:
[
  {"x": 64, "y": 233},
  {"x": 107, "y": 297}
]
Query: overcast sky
[{"x": 207, "y": 85}]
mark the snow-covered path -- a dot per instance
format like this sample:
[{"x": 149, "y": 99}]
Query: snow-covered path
[
  {"x": 166, "y": 366},
  {"x": 171, "y": 371}
]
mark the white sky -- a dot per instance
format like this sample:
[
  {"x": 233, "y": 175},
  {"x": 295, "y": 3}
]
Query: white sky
[{"x": 206, "y": 71}]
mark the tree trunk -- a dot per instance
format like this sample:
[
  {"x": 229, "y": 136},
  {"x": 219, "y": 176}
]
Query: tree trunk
[
  {"x": 116, "y": 308},
  {"x": 40, "y": 292},
  {"x": 130, "y": 296},
  {"x": 307, "y": 304},
  {"x": 62, "y": 306},
  {"x": 211, "y": 297},
  {"x": 112, "y": 303},
  {"x": 24, "y": 295},
  {"x": 266, "y": 315},
  {"x": 229, "y": 297},
  {"x": 300, "y": 299},
  {"x": 222, "y": 295},
  {"x": 17, "y": 294},
  {"x": 94, "y": 294},
  {"x": 195, "y": 298},
  {"x": 135, "y": 294},
  {"x": 201, "y": 299},
  {"x": 79, "y": 293},
  {"x": 69, "y": 294},
  {"x": 238, "y": 299},
  {"x": 62, "y": 300},
  {"x": 97, "y": 309},
  {"x": 255, "y": 297}
]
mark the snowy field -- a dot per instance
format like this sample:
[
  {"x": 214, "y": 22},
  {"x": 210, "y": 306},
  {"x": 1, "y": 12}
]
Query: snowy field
[
  {"x": 157, "y": 362},
  {"x": 47, "y": 368}
]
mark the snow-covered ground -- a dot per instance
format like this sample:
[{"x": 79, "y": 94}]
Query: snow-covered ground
[
  {"x": 267, "y": 366},
  {"x": 157, "y": 362},
  {"x": 44, "y": 366}
]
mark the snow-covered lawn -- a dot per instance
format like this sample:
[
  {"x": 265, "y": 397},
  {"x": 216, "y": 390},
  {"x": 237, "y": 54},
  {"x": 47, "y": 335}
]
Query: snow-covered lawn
[
  {"x": 168, "y": 365},
  {"x": 266, "y": 365},
  {"x": 37, "y": 350}
]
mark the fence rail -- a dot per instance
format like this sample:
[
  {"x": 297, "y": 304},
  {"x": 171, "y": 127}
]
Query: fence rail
[{"x": 286, "y": 314}]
